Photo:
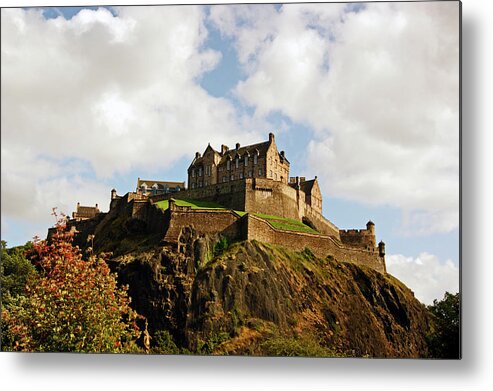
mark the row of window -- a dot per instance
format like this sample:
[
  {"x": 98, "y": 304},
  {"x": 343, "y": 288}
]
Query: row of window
[
  {"x": 208, "y": 169},
  {"x": 232, "y": 177}
]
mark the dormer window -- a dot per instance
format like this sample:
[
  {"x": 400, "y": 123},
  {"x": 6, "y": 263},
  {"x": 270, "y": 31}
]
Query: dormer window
[
  {"x": 200, "y": 171},
  {"x": 246, "y": 160},
  {"x": 237, "y": 162}
]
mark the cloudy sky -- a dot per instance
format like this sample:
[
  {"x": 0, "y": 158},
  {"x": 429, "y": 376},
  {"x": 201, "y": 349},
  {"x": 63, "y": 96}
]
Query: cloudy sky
[{"x": 366, "y": 96}]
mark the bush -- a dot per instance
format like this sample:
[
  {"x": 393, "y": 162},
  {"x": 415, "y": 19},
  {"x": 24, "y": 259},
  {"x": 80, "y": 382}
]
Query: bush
[
  {"x": 164, "y": 343},
  {"x": 285, "y": 346},
  {"x": 221, "y": 246},
  {"x": 72, "y": 305}
]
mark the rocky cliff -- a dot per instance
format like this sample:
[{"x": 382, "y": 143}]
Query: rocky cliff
[{"x": 212, "y": 297}]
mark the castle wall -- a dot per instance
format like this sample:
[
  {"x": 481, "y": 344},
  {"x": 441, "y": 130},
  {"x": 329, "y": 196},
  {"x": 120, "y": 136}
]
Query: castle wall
[
  {"x": 362, "y": 238},
  {"x": 260, "y": 195},
  {"x": 321, "y": 245},
  {"x": 204, "y": 221},
  {"x": 230, "y": 194},
  {"x": 320, "y": 223},
  {"x": 271, "y": 197}
]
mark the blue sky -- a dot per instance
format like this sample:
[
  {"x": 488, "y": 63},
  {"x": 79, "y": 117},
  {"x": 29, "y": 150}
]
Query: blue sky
[{"x": 379, "y": 154}]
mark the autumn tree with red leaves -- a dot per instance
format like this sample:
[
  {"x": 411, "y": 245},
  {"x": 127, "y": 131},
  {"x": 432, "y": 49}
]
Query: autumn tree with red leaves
[{"x": 71, "y": 304}]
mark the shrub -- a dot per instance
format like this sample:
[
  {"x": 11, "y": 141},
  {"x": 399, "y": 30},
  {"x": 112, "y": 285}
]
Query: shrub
[{"x": 72, "y": 305}]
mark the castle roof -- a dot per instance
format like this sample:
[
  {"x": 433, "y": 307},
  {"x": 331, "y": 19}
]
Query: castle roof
[
  {"x": 249, "y": 150},
  {"x": 307, "y": 186},
  {"x": 160, "y": 184}
]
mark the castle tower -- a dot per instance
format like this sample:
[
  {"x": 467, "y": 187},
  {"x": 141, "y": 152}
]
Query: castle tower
[{"x": 381, "y": 248}]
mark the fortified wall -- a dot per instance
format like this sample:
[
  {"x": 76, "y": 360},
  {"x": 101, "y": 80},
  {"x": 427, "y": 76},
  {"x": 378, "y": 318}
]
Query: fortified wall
[
  {"x": 260, "y": 195},
  {"x": 355, "y": 246}
]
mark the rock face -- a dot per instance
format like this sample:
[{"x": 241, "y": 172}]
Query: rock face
[{"x": 253, "y": 298}]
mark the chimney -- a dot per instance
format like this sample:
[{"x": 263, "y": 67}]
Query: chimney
[
  {"x": 302, "y": 179},
  {"x": 271, "y": 137},
  {"x": 78, "y": 203},
  {"x": 237, "y": 146},
  {"x": 96, "y": 206},
  {"x": 197, "y": 155},
  {"x": 224, "y": 149},
  {"x": 282, "y": 154}
]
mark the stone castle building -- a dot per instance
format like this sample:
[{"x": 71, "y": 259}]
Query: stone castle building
[{"x": 249, "y": 182}]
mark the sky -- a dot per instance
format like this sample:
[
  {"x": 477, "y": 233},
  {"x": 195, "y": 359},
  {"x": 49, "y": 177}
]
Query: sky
[{"x": 365, "y": 96}]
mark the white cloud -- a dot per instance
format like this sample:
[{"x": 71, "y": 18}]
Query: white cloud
[
  {"x": 110, "y": 93},
  {"x": 425, "y": 275},
  {"x": 381, "y": 89}
]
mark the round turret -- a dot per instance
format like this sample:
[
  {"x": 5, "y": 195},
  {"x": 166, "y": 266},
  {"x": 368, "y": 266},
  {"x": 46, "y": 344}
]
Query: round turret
[{"x": 381, "y": 248}]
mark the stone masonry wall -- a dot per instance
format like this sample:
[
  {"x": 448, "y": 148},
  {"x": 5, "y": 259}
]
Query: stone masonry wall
[
  {"x": 272, "y": 198},
  {"x": 204, "y": 221},
  {"x": 362, "y": 238},
  {"x": 321, "y": 245}
]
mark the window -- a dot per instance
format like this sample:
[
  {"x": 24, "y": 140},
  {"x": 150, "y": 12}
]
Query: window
[
  {"x": 237, "y": 161},
  {"x": 271, "y": 176},
  {"x": 228, "y": 165},
  {"x": 193, "y": 185},
  {"x": 207, "y": 183},
  {"x": 275, "y": 176},
  {"x": 246, "y": 160},
  {"x": 220, "y": 168},
  {"x": 200, "y": 171},
  {"x": 225, "y": 178},
  {"x": 241, "y": 175},
  {"x": 200, "y": 183},
  {"x": 255, "y": 158},
  {"x": 193, "y": 173},
  {"x": 260, "y": 172},
  {"x": 232, "y": 177},
  {"x": 250, "y": 173}
]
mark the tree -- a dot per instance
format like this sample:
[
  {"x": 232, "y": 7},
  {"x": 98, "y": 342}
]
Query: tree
[
  {"x": 72, "y": 304},
  {"x": 14, "y": 271},
  {"x": 444, "y": 340}
]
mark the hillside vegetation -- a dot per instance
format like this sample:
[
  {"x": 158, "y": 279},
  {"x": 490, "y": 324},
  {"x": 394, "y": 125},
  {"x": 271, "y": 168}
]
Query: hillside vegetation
[{"x": 258, "y": 299}]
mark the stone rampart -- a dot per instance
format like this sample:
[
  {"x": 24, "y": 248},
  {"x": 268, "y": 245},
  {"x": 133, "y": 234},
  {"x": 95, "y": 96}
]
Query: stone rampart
[
  {"x": 321, "y": 245},
  {"x": 204, "y": 221},
  {"x": 362, "y": 238}
]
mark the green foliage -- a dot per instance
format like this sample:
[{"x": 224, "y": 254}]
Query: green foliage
[
  {"x": 194, "y": 204},
  {"x": 15, "y": 270},
  {"x": 72, "y": 305},
  {"x": 444, "y": 339},
  {"x": 164, "y": 343},
  {"x": 286, "y": 223},
  {"x": 286, "y": 346},
  {"x": 215, "y": 339},
  {"x": 221, "y": 246}
]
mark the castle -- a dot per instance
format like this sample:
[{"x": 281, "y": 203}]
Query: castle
[{"x": 253, "y": 187}]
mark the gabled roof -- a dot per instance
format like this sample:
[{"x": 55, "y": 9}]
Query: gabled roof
[
  {"x": 307, "y": 186},
  {"x": 198, "y": 160}
]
